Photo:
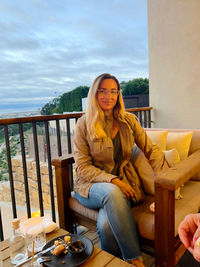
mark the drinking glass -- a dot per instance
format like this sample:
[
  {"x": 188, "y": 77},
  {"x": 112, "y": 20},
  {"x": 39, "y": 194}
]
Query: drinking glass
[{"x": 37, "y": 234}]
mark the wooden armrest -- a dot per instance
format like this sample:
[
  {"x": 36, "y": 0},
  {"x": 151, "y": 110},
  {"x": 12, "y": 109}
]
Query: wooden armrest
[
  {"x": 180, "y": 173},
  {"x": 63, "y": 189},
  {"x": 165, "y": 185},
  {"x": 63, "y": 161}
]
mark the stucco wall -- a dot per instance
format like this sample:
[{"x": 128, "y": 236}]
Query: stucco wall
[{"x": 174, "y": 62}]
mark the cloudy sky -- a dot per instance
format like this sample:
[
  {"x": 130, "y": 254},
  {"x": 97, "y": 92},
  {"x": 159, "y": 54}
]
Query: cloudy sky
[{"x": 48, "y": 47}]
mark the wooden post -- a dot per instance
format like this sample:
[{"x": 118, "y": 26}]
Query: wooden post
[{"x": 164, "y": 227}]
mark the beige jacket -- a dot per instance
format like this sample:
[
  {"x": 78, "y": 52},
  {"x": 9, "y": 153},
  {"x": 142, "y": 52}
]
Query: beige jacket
[{"x": 94, "y": 159}]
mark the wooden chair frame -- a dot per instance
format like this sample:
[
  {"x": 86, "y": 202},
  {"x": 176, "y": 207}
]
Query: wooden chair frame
[{"x": 167, "y": 248}]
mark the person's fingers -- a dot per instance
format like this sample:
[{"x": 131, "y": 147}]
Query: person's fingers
[
  {"x": 186, "y": 230},
  {"x": 193, "y": 227},
  {"x": 191, "y": 222},
  {"x": 183, "y": 234},
  {"x": 127, "y": 190},
  {"x": 196, "y": 234},
  {"x": 127, "y": 195},
  {"x": 131, "y": 192},
  {"x": 189, "y": 232},
  {"x": 184, "y": 238},
  {"x": 196, "y": 252}
]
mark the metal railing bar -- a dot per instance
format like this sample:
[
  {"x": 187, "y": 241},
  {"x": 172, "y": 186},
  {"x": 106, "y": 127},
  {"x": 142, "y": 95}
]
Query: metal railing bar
[
  {"x": 1, "y": 228},
  {"x": 145, "y": 119},
  {"x": 38, "y": 168},
  {"x": 68, "y": 136},
  {"x": 149, "y": 118},
  {"x": 70, "y": 150},
  {"x": 12, "y": 191},
  {"x": 58, "y": 138},
  {"x": 140, "y": 117},
  {"x": 50, "y": 171},
  {"x": 24, "y": 169},
  {"x": 136, "y": 113},
  {"x": 71, "y": 177}
]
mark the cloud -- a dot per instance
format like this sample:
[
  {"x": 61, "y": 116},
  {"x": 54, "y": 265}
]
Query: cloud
[{"x": 50, "y": 47}]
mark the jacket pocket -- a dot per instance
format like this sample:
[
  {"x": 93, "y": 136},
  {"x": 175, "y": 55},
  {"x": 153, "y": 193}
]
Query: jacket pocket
[{"x": 101, "y": 151}]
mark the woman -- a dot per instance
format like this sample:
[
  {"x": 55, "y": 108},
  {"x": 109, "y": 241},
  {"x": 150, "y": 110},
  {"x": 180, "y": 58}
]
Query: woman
[{"x": 106, "y": 179}]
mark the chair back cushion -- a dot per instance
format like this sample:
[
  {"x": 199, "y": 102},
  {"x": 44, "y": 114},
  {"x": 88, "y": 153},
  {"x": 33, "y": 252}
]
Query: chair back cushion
[{"x": 194, "y": 144}]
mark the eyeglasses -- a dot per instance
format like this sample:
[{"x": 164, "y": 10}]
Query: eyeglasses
[{"x": 103, "y": 92}]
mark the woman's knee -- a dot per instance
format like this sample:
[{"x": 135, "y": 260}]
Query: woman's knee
[{"x": 113, "y": 192}]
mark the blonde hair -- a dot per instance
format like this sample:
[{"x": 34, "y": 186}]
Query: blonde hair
[{"x": 95, "y": 119}]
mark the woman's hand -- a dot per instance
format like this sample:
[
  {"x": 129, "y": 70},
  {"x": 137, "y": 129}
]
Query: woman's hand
[{"x": 126, "y": 189}]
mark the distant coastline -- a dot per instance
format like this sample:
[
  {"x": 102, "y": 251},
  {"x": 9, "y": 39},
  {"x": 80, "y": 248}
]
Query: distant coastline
[{"x": 20, "y": 114}]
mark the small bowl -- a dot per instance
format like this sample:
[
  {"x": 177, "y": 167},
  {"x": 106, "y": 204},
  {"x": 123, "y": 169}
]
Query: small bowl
[{"x": 77, "y": 247}]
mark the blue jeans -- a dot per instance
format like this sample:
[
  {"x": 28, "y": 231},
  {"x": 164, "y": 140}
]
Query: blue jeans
[{"x": 115, "y": 224}]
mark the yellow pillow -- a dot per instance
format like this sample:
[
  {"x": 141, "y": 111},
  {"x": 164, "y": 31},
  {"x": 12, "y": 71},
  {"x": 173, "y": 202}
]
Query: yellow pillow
[
  {"x": 181, "y": 141},
  {"x": 171, "y": 156},
  {"x": 158, "y": 138}
]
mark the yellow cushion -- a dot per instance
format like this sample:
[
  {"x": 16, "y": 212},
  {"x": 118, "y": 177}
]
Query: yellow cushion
[
  {"x": 158, "y": 138},
  {"x": 181, "y": 141},
  {"x": 171, "y": 156}
]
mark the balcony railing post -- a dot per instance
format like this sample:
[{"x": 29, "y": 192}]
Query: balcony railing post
[
  {"x": 50, "y": 171},
  {"x": 1, "y": 228},
  {"x": 145, "y": 119},
  {"x": 38, "y": 168},
  {"x": 12, "y": 191},
  {"x": 58, "y": 138},
  {"x": 149, "y": 118},
  {"x": 24, "y": 169},
  {"x": 68, "y": 136}
]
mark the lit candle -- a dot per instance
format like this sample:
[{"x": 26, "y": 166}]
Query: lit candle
[{"x": 35, "y": 214}]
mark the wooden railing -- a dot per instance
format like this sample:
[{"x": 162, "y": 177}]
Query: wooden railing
[{"x": 143, "y": 114}]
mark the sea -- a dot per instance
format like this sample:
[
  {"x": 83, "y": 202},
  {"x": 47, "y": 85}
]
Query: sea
[{"x": 20, "y": 114}]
